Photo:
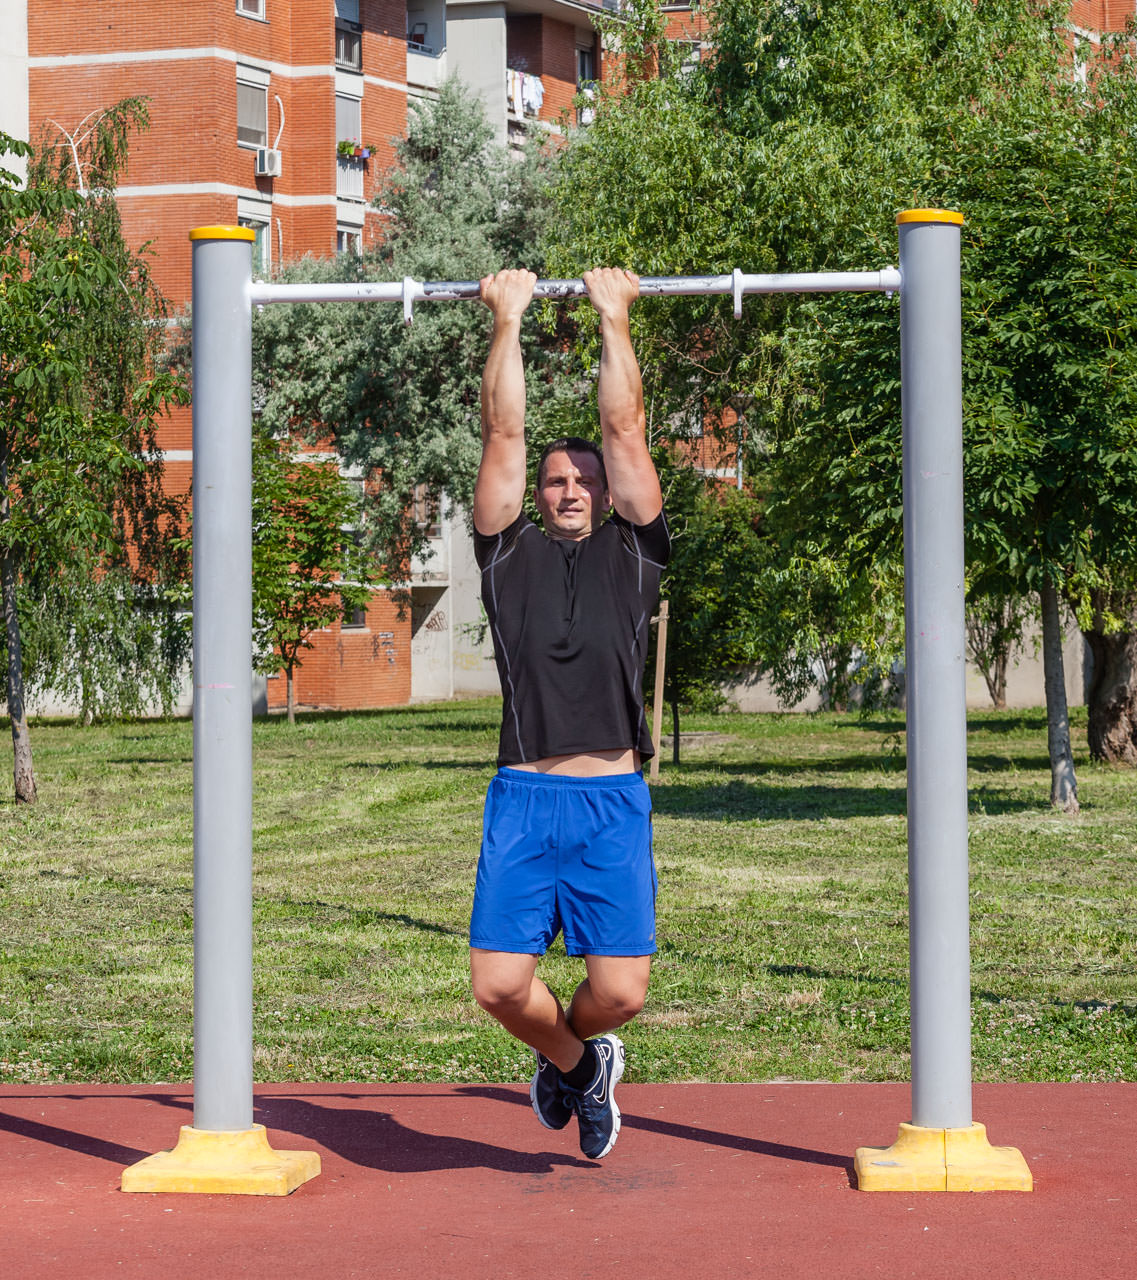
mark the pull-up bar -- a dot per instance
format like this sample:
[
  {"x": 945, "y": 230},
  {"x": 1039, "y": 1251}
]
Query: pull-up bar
[
  {"x": 737, "y": 285},
  {"x": 942, "y": 1149}
]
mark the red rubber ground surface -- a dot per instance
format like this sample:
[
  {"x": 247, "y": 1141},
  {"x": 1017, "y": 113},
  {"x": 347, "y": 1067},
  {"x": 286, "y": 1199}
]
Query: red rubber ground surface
[{"x": 460, "y": 1181}]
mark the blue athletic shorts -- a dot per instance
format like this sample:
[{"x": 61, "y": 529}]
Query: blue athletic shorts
[{"x": 563, "y": 853}]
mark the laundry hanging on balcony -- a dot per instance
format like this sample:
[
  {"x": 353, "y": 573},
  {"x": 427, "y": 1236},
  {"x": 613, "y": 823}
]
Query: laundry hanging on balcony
[
  {"x": 513, "y": 91},
  {"x": 532, "y": 94}
]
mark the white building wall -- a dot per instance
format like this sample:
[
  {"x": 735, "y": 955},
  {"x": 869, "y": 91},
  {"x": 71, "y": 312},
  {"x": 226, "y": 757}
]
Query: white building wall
[
  {"x": 1025, "y": 686},
  {"x": 14, "y": 76},
  {"x": 432, "y": 660},
  {"x": 474, "y": 669},
  {"x": 475, "y": 52}
]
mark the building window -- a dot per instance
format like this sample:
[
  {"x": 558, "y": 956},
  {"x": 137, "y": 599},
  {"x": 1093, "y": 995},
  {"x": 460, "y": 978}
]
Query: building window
[
  {"x": 585, "y": 68},
  {"x": 353, "y": 619},
  {"x": 1084, "y": 50},
  {"x": 262, "y": 245},
  {"x": 349, "y": 117},
  {"x": 349, "y": 48},
  {"x": 690, "y": 53},
  {"x": 349, "y": 36},
  {"x": 252, "y": 107},
  {"x": 349, "y": 172},
  {"x": 585, "y": 84},
  {"x": 251, "y": 8},
  {"x": 349, "y": 239},
  {"x": 425, "y": 510}
]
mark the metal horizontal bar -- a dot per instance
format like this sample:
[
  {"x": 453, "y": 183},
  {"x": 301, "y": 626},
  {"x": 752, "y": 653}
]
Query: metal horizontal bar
[{"x": 886, "y": 280}]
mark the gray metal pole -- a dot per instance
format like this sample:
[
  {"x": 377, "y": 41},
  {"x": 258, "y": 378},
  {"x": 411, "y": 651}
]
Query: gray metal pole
[
  {"x": 222, "y": 676},
  {"x": 931, "y": 373}
]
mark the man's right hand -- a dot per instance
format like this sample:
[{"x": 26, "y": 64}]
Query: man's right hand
[
  {"x": 612, "y": 291},
  {"x": 507, "y": 293},
  {"x": 500, "y": 487}
]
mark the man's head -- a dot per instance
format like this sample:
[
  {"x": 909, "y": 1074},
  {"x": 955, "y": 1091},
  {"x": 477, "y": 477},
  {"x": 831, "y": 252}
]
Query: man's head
[{"x": 572, "y": 489}]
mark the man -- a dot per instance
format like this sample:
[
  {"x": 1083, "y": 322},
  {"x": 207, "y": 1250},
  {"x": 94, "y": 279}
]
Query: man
[{"x": 567, "y": 834}]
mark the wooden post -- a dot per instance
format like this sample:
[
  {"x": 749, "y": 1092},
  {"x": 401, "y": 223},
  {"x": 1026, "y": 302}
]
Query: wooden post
[{"x": 657, "y": 703}]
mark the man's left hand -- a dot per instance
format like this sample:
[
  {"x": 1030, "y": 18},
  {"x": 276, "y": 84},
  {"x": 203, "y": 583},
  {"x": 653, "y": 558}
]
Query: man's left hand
[{"x": 612, "y": 290}]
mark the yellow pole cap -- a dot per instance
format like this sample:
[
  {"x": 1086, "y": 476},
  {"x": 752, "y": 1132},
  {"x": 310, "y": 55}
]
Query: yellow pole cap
[
  {"x": 930, "y": 215},
  {"x": 223, "y": 233}
]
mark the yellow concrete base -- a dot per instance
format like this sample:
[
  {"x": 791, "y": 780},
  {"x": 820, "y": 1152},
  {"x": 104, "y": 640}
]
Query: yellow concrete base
[
  {"x": 942, "y": 1160},
  {"x": 219, "y": 1163}
]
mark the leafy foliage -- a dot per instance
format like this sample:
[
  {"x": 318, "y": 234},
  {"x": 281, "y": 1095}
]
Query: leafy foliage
[
  {"x": 994, "y": 634},
  {"x": 84, "y": 521},
  {"x": 711, "y": 625},
  {"x": 789, "y": 148},
  {"x": 402, "y": 403},
  {"x": 109, "y": 643},
  {"x": 308, "y": 565}
]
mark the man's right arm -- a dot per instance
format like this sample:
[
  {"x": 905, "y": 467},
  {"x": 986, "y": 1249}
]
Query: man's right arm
[{"x": 500, "y": 488}]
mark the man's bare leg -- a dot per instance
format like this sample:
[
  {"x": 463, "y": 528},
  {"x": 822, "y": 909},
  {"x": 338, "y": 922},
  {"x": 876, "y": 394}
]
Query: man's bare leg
[
  {"x": 506, "y": 986},
  {"x": 612, "y": 994}
]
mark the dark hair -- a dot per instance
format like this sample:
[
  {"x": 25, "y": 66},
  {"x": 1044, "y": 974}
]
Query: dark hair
[{"x": 571, "y": 444}]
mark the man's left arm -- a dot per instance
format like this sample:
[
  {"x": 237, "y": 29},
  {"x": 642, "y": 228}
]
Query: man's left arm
[{"x": 633, "y": 484}]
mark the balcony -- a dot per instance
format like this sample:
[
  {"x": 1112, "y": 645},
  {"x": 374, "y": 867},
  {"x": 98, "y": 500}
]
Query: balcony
[
  {"x": 524, "y": 93},
  {"x": 426, "y": 43},
  {"x": 349, "y": 178},
  {"x": 426, "y": 66}
]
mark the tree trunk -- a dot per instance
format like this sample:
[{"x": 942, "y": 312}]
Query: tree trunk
[
  {"x": 997, "y": 685},
  {"x": 291, "y": 695},
  {"x": 1112, "y": 695},
  {"x": 993, "y": 632},
  {"x": 22, "y": 771},
  {"x": 1063, "y": 782}
]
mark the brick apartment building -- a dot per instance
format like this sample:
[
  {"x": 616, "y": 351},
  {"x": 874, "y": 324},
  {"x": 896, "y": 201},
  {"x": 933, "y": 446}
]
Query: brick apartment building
[{"x": 250, "y": 101}]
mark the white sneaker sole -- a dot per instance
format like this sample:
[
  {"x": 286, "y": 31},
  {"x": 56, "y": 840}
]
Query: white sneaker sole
[
  {"x": 617, "y": 1073},
  {"x": 536, "y": 1110}
]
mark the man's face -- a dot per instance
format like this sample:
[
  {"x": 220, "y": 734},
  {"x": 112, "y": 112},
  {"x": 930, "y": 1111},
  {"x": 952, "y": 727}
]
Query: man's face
[{"x": 571, "y": 495}]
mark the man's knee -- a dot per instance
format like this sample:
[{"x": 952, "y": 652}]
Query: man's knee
[
  {"x": 501, "y": 988},
  {"x": 498, "y": 997},
  {"x": 621, "y": 998}
]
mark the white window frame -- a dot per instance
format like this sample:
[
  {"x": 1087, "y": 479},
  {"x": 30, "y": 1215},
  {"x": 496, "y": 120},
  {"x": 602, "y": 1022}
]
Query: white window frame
[
  {"x": 349, "y": 36},
  {"x": 691, "y": 51},
  {"x": 251, "y": 9},
  {"x": 586, "y": 81},
  {"x": 257, "y": 215},
  {"x": 583, "y": 53},
  {"x": 1085, "y": 47},
  {"x": 349, "y": 239}
]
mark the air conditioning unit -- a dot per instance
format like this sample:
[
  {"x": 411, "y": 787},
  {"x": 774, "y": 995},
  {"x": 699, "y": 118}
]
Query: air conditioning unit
[{"x": 268, "y": 163}]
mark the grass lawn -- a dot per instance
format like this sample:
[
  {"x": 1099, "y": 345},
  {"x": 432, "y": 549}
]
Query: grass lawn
[{"x": 780, "y": 842}]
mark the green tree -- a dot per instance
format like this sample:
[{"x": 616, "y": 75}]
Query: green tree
[
  {"x": 790, "y": 148},
  {"x": 81, "y": 498},
  {"x": 995, "y": 624},
  {"x": 710, "y": 628},
  {"x": 109, "y": 641},
  {"x": 1110, "y": 629},
  {"x": 402, "y": 403},
  {"x": 309, "y": 567}
]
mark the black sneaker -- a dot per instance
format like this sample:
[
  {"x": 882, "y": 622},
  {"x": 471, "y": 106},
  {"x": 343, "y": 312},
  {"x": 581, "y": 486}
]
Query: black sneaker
[
  {"x": 547, "y": 1095},
  {"x": 595, "y": 1106}
]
